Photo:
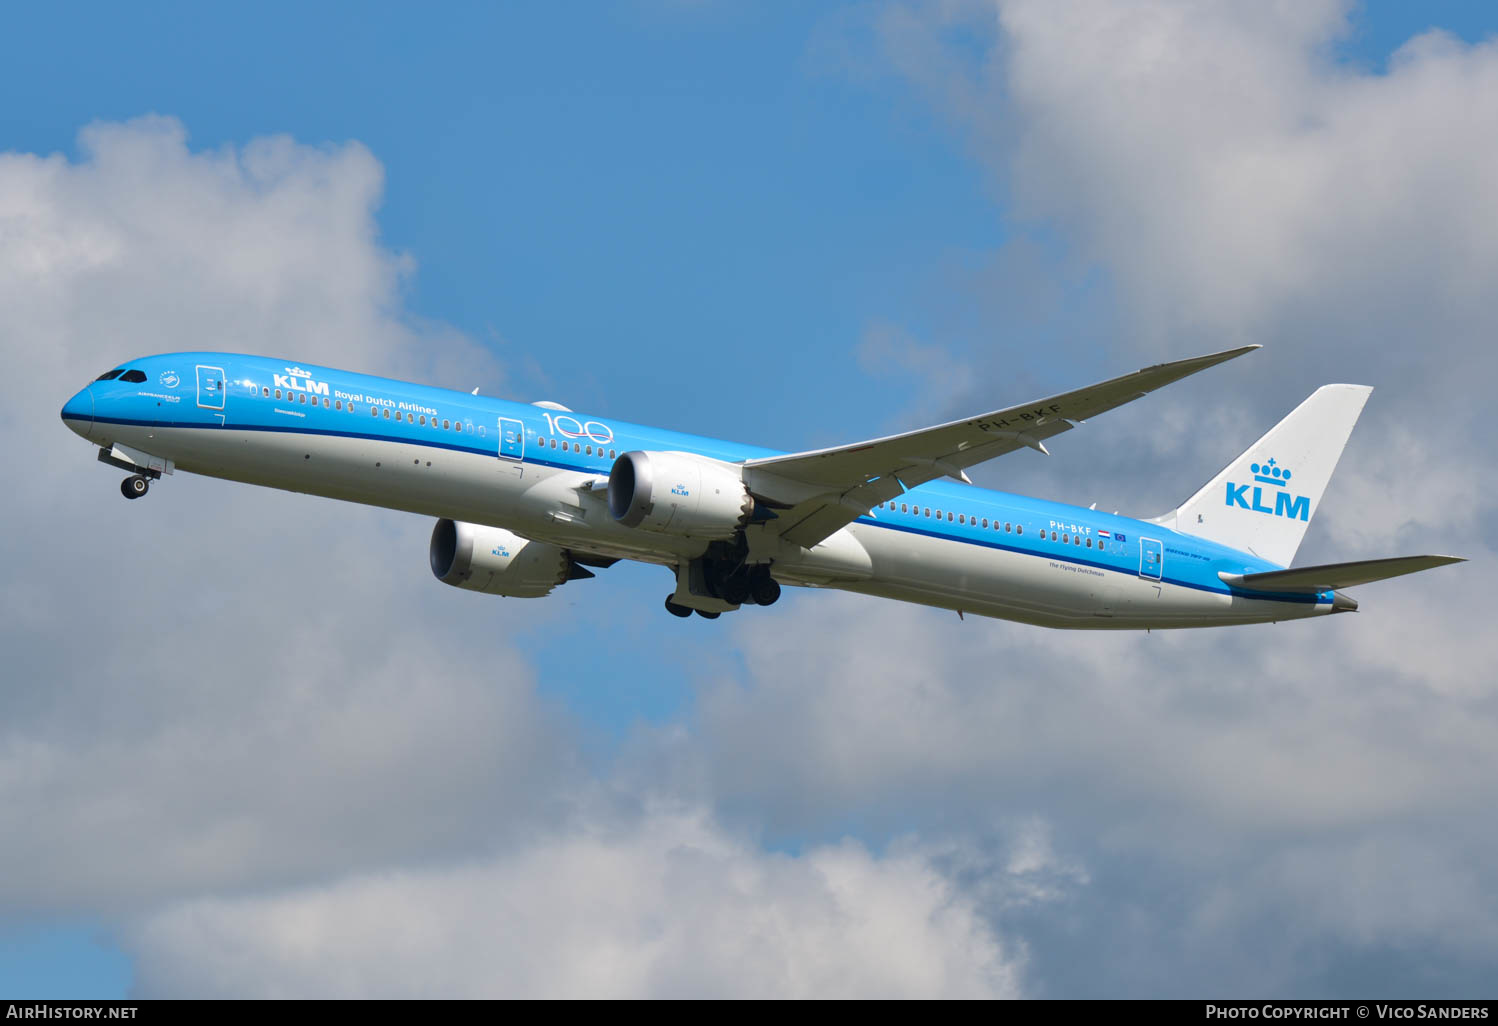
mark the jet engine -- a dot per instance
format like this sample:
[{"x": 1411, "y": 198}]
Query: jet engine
[
  {"x": 496, "y": 562},
  {"x": 678, "y": 493}
]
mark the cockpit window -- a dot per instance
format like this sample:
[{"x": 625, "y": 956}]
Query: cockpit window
[
  {"x": 110, "y": 375},
  {"x": 135, "y": 376}
]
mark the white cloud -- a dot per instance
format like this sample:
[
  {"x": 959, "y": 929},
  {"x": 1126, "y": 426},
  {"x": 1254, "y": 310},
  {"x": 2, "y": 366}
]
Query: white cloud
[
  {"x": 668, "y": 905},
  {"x": 1231, "y": 176},
  {"x": 219, "y": 686}
]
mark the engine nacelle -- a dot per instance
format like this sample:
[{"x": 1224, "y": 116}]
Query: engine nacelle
[
  {"x": 494, "y": 561},
  {"x": 678, "y": 493}
]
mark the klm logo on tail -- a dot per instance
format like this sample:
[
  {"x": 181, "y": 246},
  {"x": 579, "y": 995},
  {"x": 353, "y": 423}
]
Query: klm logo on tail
[{"x": 1295, "y": 507}]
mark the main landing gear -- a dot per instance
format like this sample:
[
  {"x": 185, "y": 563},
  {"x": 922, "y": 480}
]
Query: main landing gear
[
  {"x": 686, "y": 611},
  {"x": 753, "y": 584},
  {"x": 741, "y": 586},
  {"x": 134, "y": 487}
]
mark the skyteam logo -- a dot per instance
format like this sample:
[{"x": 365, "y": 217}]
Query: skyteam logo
[
  {"x": 169, "y": 379},
  {"x": 297, "y": 380},
  {"x": 1296, "y": 507}
]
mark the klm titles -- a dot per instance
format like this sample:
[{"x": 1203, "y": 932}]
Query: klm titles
[{"x": 296, "y": 380}]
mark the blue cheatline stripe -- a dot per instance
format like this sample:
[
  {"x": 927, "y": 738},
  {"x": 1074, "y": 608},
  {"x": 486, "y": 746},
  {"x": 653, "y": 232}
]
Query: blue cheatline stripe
[{"x": 294, "y": 429}]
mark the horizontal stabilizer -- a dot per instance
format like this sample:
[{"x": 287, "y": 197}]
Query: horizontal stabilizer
[{"x": 1335, "y": 576}]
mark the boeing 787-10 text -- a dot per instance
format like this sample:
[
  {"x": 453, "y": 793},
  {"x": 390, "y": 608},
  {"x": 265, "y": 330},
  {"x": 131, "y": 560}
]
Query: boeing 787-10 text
[{"x": 529, "y": 497}]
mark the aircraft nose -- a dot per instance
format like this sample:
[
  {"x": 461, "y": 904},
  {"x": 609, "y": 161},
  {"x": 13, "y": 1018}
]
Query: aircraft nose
[{"x": 78, "y": 412}]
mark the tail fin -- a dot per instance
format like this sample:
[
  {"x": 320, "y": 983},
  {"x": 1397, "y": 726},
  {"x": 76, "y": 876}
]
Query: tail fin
[{"x": 1263, "y": 501}]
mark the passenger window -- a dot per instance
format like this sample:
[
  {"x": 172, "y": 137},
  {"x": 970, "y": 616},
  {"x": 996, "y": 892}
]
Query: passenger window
[
  {"x": 985, "y": 521},
  {"x": 1064, "y": 539},
  {"x": 338, "y": 404},
  {"x": 1076, "y": 539},
  {"x": 110, "y": 375},
  {"x": 553, "y": 443},
  {"x": 962, "y": 518},
  {"x": 325, "y": 402},
  {"x": 928, "y": 512},
  {"x": 611, "y": 454},
  {"x": 903, "y": 508},
  {"x": 1089, "y": 543},
  {"x": 301, "y": 397},
  {"x": 949, "y": 518},
  {"x": 422, "y": 420},
  {"x": 1053, "y": 536},
  {"x": 387, "y": 413},
  {"x": 265, "y": 393},
  {"x": 278, "y": 393},
  {"x": 410, "y": 418},
  {"x": 590, "y": 450},
  {"x": 1018, "y": 528},
  {"x": 1006, "y": 526},
  {"x": 446, "y": 426},
  {"x": 576, "y": 447}
]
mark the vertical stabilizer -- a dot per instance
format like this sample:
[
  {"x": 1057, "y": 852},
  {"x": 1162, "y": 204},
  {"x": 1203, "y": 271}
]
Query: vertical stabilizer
[{"x": 1264, "y": 500}]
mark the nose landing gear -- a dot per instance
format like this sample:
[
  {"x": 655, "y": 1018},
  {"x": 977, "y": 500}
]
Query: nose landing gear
[{"x": 134, "y": 487}]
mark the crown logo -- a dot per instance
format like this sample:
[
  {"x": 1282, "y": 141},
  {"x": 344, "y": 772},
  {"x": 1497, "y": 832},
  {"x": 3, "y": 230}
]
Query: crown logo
[{"x": 1270, "y": 473}]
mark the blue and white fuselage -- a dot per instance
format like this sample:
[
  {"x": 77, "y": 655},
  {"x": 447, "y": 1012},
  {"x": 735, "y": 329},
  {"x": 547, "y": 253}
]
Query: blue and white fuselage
[{"x": 527, "y": 495}]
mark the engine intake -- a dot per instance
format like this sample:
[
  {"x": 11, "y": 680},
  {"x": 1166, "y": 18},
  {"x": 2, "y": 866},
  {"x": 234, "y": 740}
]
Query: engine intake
[
  {"x": 678, "y": 493},
  {"x": 495, "y": 561}
]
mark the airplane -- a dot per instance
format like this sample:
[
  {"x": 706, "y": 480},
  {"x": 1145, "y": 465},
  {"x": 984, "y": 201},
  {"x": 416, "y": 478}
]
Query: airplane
[{"x": 528, "y": 497}]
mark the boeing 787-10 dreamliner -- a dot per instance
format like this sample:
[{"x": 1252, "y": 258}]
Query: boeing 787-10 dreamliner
[{"x": 530, "y": 497}]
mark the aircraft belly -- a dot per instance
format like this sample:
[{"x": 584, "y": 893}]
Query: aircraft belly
[
  {"x": 1039, "y": 589},
  {"x": 538, "y": 502}
]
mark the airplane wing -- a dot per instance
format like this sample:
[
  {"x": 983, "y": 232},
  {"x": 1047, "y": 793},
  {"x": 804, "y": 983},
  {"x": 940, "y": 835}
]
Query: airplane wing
[
  {"x": 1336, "y": 576},
  {"x": 830, "y": 488}
]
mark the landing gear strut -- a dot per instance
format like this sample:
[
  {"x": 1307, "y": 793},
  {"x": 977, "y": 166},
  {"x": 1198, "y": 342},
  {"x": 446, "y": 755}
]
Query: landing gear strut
[
  {"x": 719, "y": 581},
  {"x": 134, "y": 487}
]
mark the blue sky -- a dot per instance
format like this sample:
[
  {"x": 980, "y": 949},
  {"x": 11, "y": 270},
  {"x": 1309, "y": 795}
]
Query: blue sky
[{"x": 705, "y": 215}]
